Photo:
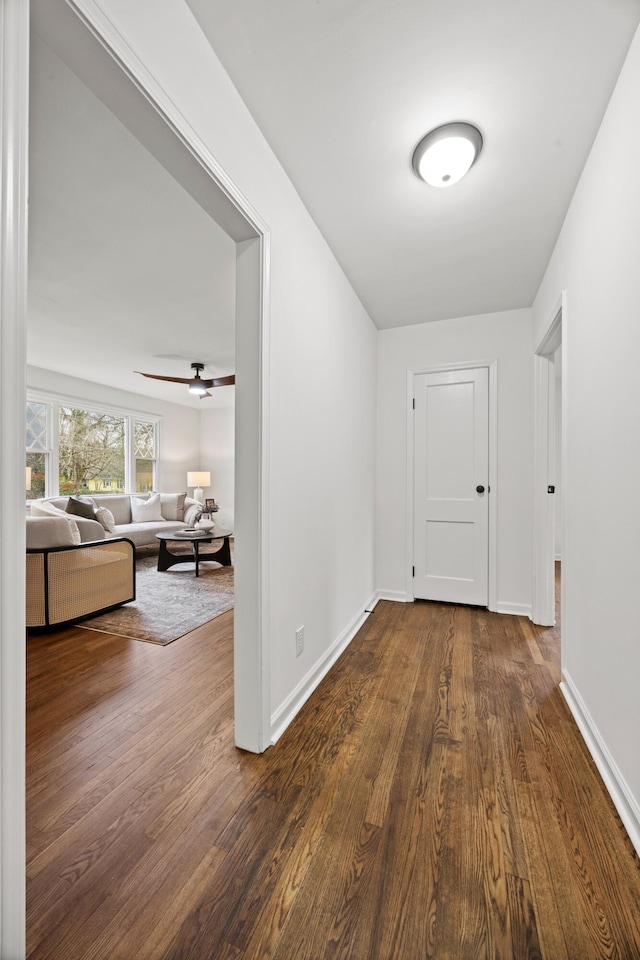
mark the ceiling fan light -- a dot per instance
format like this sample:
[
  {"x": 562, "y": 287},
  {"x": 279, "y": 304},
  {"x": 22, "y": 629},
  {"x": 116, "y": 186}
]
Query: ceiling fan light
[
  {"x": 197, "y": 389},
  {"x": 445, "y": 154}
]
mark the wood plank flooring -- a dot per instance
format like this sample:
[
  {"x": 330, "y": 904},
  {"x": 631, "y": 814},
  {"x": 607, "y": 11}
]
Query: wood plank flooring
[{"x": 433, "y": 799}]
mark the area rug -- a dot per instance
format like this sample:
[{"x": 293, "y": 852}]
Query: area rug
[{"x": 169, "y": 604}]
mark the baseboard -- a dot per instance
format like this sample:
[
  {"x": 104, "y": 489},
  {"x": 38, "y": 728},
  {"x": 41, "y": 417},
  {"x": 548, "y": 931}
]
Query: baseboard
[
  {"x": 283, "y": 716},
  {"x": 623, "y": 799},
  {"x": 514, "y": 609},
  {"x": 397, "y": 596},
  {"x": 401, "y": 596}
]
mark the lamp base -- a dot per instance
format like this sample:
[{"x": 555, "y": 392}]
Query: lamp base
[{"x": 198, "y": 494}]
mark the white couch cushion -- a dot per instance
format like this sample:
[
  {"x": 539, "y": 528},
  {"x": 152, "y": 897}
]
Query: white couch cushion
[{"x": 146, "y": 511}]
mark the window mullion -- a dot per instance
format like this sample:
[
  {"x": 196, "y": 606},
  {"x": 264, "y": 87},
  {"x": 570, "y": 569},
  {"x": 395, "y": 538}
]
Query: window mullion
[
  {"x": 129, "y": 464},
  {"x": 53, "y": 442}
]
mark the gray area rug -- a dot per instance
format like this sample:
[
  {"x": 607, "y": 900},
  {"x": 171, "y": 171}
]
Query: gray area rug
[{"x": 169, "y": 604}]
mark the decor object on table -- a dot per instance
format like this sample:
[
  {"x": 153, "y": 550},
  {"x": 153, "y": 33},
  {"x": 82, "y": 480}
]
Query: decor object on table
[
  {"x": 204, "y": 523},
  {"x": 205, "y": 519},
  {"x": 196, "y": 385},
  {"x": 198, "y": 479}
]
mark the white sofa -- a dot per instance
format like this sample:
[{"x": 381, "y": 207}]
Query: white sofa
[{"x": 176, "y": 510}]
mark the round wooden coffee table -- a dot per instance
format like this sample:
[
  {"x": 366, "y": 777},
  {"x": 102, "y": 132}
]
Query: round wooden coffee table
[{"x": 168, "y": 559}]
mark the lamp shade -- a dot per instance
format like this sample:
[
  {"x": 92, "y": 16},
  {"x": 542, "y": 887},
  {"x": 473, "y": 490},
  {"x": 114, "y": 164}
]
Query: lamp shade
[{"x": 198, "y": 478}]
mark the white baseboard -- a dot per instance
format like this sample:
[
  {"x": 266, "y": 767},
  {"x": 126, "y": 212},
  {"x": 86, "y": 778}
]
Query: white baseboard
[
  {"x": 514, "y": 609},
  {"x": 397, "y": 596},
  {"x": 283, "y": 716},
  {"x": 623, "y": 799},
  {"x": 401, "y": 596}
]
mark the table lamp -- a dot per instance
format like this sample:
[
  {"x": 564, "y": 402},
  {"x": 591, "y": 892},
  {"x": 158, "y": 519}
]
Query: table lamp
[{"x": 198, "y": 479}]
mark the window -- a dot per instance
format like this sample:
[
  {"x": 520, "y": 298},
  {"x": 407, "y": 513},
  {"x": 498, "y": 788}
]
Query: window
[
  {"x": 76, "y": 449},
  {"x": 38, "y": 449},
  {"x": 144, "y": 451}
]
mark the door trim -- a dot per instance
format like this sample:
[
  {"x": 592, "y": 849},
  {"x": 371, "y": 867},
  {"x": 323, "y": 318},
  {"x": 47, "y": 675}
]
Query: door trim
[
  {"x": 14, "y": 105},
  {"x": 492, "y": 367},
  {"x": 543, "y": 588}
]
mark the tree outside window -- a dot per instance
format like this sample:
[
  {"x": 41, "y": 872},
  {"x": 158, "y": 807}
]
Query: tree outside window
[{"x": 91, "y": 453}]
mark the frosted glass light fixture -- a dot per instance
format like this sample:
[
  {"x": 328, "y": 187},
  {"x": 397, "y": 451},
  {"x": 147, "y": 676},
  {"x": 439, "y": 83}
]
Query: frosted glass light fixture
[
  {"x": 445, "y": 154},
  {"x": 198, "y": 479}
]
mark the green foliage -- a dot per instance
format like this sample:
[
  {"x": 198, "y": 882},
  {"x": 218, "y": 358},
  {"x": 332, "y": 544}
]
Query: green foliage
[{"x": 91, "y": 450}]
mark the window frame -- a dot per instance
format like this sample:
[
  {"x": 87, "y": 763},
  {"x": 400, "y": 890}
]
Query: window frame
[{"x": 53, "y": 402}]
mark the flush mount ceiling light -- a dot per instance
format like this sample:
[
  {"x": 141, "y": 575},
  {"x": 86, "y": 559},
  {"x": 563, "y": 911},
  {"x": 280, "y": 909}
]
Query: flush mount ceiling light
[{"x": 447, "y": 153}]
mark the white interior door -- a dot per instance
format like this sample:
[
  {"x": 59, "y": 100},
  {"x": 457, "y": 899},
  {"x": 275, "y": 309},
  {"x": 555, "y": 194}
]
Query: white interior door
[{"x": 451, "y": 484}]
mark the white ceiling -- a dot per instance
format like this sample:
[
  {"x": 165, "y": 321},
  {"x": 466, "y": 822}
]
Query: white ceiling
[
  {"x": 126, "y": 271},
  {"x": 344, "y": 89}
]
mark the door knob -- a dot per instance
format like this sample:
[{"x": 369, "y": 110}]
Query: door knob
[{"x": 479, "y": 488}]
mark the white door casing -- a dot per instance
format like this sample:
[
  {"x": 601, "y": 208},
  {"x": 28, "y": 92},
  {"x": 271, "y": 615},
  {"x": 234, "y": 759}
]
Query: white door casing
[
  {"x": 543, "y": 593},
  {"x": 451, "y": 457}
]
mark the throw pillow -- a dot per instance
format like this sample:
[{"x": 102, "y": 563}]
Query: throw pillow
[
  {"x": 106, "y": 518},
  {"x": 145, "y": 511},
  {"x": 172, "y": 505},
  {"x": 81, "y": 507}
]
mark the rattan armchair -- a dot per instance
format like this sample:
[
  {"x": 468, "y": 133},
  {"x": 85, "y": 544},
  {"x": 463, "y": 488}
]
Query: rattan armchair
[{"x": 70, "y": 582}]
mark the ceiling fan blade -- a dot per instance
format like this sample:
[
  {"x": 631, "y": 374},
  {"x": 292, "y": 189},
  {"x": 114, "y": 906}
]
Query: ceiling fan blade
[
  {"x": 155, "y": 376},
  {"x": 220, "y": 381},
  {"x": 207, "y": 394}
]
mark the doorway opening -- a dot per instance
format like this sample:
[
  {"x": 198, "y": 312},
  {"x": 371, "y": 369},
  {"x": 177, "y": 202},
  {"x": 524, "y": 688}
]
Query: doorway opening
[{"x": 101, "y": 60}]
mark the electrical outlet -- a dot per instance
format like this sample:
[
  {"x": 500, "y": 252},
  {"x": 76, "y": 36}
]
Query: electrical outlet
[{"x": 299, "y": 641}]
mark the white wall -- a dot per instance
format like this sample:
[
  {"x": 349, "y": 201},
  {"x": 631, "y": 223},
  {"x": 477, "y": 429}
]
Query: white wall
[
  {"x": 217, "y": 454},
  {"x": 180, "y": 428},
  {"x": 322, "y": 365},
  {"x": 505, "y": 337},
  {"x": 596, "y": 261}
]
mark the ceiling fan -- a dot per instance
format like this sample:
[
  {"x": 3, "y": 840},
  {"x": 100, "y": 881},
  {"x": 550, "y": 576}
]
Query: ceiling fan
[{"x": 197, "y": 386}]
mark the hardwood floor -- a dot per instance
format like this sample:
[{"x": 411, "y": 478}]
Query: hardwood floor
[{"x": 433, "y": 799}]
